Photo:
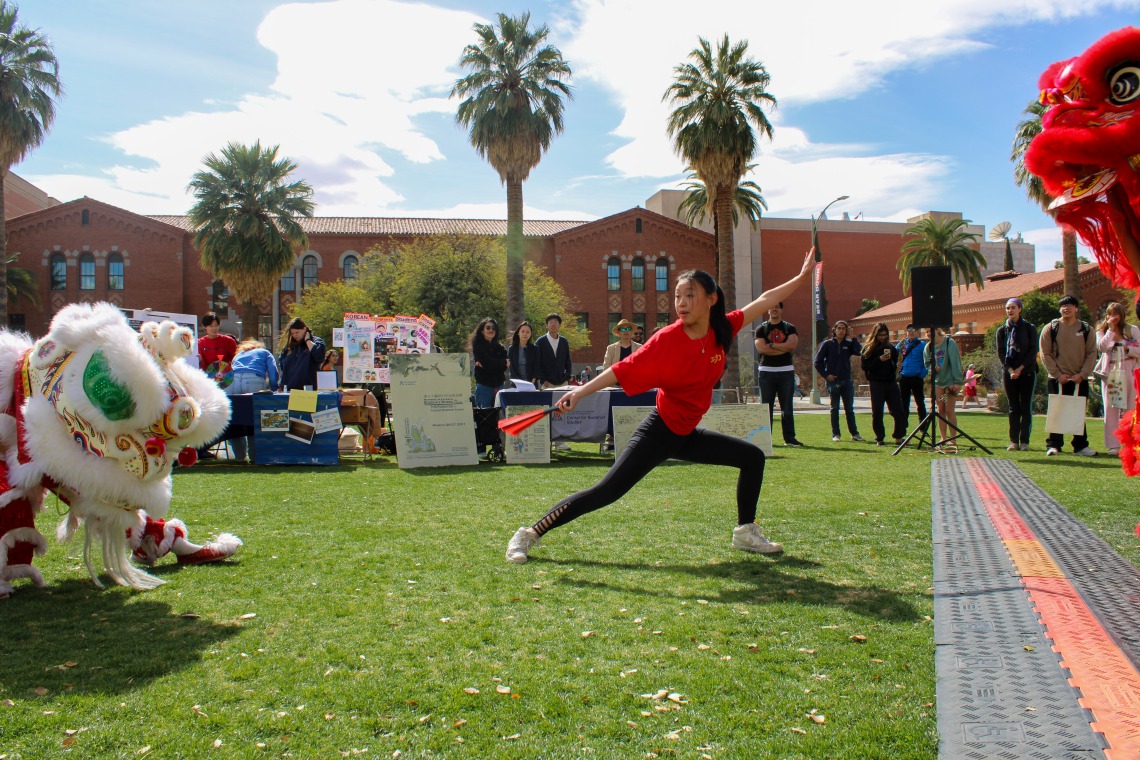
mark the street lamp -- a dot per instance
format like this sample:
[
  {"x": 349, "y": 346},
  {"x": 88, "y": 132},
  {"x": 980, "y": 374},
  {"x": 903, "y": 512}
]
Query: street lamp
[{"x": 815, "y": 295}]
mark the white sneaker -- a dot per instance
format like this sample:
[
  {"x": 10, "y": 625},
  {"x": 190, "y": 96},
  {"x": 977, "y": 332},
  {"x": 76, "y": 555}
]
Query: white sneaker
[
  {"x": 1113, "y": 452},
  {"x": 858, "y": 438},
  {"x": 483, "y": 456},
  {"x": 1011, "y": 447},
  {"x": 836, "y": 439},
  {"x": 1024, "y": 447},
  {"x": 749, "y": 538},
  {"x": 522, "y": 542},
  {"x": 1052, "y": 452},
  {"x": 1086, "y": 452}
]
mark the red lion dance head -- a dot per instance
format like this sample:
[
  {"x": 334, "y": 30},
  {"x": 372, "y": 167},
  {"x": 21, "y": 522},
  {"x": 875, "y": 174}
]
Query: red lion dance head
[{"x": 1088, "y": 151}]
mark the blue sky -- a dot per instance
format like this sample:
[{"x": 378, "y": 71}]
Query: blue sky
[{"x": 903, "y": 106}]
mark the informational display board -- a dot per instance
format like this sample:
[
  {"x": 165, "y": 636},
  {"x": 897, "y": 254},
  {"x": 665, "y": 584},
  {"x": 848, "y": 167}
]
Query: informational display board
[
  {"x": 626, "y": 419},
  {"x": 532, "y": 446},
  {"x": 431, "y": 410},
  {"x": 747, "y": 421}
]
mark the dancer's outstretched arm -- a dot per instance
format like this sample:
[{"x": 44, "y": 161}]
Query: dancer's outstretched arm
[{"x": 769, "y": 298}]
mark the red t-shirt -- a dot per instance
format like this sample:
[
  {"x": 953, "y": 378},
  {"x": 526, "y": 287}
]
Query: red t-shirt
[
  {"x": 209, "y": 349},
  {"x": 672, "y": 362}
]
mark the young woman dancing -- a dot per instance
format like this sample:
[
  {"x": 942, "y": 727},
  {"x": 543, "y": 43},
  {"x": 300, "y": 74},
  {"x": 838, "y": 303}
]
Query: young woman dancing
[{"x": 684, "y": 362}]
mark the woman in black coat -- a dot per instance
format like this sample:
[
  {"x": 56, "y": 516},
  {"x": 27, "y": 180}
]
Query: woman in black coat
[
  {"x": 522, "y": 355},
  {"x": 490, "y": 362}
]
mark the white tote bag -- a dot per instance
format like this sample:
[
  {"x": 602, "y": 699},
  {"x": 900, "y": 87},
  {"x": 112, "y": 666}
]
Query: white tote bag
[{"x": 1066, "y": 414}]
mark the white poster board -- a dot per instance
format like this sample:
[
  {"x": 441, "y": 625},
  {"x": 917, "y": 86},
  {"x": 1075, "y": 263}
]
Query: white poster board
[
  {"x": 626, "y": 419},
  {"x": 432, "y": 415},
  {"x": 752, "y": 422},
  {"x": 532, "y": 446}
]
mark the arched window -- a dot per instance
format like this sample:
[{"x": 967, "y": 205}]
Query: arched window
[
  {"x": 637, "y": 276},
  {"x": 308, "y": 271},
  {"x": 116, "y": 275},
  {"x": 350, "y": 263},
  {"x": 662, "y": 268},
  {"x": 613, "y": 273},
  {"x": 58, "y": 271},
  {"x": 289, "y": 281},
  {"x": 87, "y": 271}
]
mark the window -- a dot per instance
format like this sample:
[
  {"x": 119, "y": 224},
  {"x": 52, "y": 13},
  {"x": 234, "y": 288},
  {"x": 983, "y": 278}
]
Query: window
[
  {"x": 662, "y": 319},
  {"x": 58, "y": 271},
  {"x": 289, "y": 280},
  {"x": 662, "y": 268},
  {"x": 86, "y": 217},
  {"x": 350, "y": 263},
  {"x": 308, "y": 271},
  {"x": 17, "y": 322},
  {"x": 115, "y": 272},
  {"x": 637, "y": 225},
  {"x": 615, "y": 317},
  {"x": 583, "y": 319},
  {"x": 613, "y": 273},
  {"x": 87, "y": 271},
  {"x": 265, "y": 328},
  {"x": 220, "y": 299},
  {"x": 638, "y": 274}
]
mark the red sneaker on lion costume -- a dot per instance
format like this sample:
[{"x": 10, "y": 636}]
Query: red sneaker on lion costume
[{"x": 98, "y": 413}]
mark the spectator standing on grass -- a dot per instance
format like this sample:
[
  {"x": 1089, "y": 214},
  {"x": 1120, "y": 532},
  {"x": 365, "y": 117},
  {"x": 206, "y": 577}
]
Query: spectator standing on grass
[
  {"x": 912, "y": 374},
  {"x": 489, "y": 359},
  {"x": 945, "y": 364},
  {"x": 833, "y": 363},
  {"x": 1068, "y": 350},
  {"x": 880, "y": 365},
  {"x": 776, "y": 342},
  {"x": 554, "y": 367},
  {"x": 970, "y": 387},
  {"x": 684, "y": 362},
  {"x": 625, "y": 344},
  {"x": 521, "y": 355},
  {"x": 215, "y": 348},
  {"x": 1016, "y": 342},
  {"x": 301, "y": 357},
  {"x": 1119, "y": 346}
]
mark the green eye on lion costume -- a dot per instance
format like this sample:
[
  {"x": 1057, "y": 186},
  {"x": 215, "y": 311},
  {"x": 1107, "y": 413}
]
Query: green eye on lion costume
[{"x": 97, "y": 413}]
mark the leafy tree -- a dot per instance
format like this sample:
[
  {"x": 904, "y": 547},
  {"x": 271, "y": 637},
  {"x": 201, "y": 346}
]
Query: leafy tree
[
  {"x": 512, "y": 104},
  {"x": 869, "y": 304},
  {"x": 719, "y": 99},
  {"x": 1027, "y": 129},
  {"x": 1081, "y": 260},
  {"x": 21, "y": 283},
  {"x": 245, "y": 222},
  {"x": 455, "y": 279},
  {"x": 945, "y": 243},
  {"x": 29, "y": 84}
]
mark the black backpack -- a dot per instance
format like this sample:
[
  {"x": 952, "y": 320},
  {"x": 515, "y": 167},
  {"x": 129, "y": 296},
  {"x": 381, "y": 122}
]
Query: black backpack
[{"x": 1055, "y": 326}]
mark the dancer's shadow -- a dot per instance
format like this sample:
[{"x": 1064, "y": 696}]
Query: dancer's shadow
[
  {"x": 766, "y": 581},
  {"x": 71, "y": 637}
]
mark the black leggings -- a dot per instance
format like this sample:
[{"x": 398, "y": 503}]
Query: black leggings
[{"x": 651, "y": 444}]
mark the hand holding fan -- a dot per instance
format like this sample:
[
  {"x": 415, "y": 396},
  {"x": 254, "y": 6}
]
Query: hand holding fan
[{"x": 520, "y": 422}]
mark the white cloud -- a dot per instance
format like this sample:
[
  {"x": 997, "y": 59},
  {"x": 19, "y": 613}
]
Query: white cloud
[{"x": 1047, "y": 241}]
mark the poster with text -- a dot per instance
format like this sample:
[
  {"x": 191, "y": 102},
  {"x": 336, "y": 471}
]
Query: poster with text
[
  {"x": 752, "y": 422},
  {"x": 432, "y": 415},
  {"x": 626, "y": 419},
  {"x": 358, "y": 351},
  {"x": 532, "y": 446}
]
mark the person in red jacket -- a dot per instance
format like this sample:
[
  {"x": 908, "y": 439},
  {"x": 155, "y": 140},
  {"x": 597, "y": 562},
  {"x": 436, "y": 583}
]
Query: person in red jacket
[
  {"x": 683, "y": 361},
  {"x": 215, "y": 347}
]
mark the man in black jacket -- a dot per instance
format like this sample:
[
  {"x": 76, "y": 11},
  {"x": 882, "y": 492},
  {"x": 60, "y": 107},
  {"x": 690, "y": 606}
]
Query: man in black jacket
[{"x": 553, "y": 366}]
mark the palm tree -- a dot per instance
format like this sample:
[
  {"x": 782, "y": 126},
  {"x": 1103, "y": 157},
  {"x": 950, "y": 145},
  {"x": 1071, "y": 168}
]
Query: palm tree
[
  {"x": 245, "y": 222},
  {"x": 697, "y": 206},
  {"x": 718, "y": 99},
  {"x": 21, "y": 283},
  {"x": 1000, "y": 231},
  {"x": 945, "y": 243},
  {"x": 1027, "y": 129},
  {"x": 513, "y": 105},
  {"x": 29, "y": 82}
]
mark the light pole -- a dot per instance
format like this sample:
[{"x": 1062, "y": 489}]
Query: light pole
[{"x": 815, "y": 295}]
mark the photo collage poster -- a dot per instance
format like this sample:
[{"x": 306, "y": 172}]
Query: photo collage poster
[{"x": 389, "y": 336}]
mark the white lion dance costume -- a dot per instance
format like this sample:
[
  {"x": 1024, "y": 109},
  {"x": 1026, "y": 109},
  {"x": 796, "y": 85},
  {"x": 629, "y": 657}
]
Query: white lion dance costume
[{"x": 96, "y": 413}]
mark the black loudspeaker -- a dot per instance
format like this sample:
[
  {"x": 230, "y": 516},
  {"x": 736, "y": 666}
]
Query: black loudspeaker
[{"x": 930, "y": 297}]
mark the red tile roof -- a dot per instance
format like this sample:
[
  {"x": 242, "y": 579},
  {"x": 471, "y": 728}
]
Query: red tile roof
[
  {"x": 996, "y": 292},
  {"x": 378, "y": 225}
]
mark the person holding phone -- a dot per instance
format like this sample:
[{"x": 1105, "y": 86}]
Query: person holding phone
[
  {"x": 301, "y": 357},
  {"x": 880, "y": 364}
]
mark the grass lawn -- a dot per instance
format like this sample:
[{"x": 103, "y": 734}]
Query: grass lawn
[{"x": 371, "y": 614}]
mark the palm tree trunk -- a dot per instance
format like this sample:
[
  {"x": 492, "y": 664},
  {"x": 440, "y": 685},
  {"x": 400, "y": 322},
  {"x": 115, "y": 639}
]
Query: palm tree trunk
[
  {"x": 726, "y": 271},
  {"x": 3, "y": 254},
  {"x": 515, "y": 296},
  {"x": 1069, "y": 259},
  {"x": 249, "y": 319}
]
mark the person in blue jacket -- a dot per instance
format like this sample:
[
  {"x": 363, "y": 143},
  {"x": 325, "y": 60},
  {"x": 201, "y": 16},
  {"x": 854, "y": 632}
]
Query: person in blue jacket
[
  {"x": 912, "y": 374},
  {"x": 301, "y": 357},
  {"x": 833, "y": 363}
]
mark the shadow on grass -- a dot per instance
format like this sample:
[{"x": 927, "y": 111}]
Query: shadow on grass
[
  {"x": 72, "y": 637},
  {"x": 765, "y": 581}
]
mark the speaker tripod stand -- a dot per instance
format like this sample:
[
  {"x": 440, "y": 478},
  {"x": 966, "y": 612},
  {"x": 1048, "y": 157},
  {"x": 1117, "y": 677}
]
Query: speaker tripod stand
[{"x": 926, "y": 431}]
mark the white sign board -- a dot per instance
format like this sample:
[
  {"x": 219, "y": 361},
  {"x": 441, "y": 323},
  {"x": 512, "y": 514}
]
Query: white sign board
[
  {"x": 747, "y": 421},
  {"x": 532, "y": 446},
  {"x": 432, "y": 415}
]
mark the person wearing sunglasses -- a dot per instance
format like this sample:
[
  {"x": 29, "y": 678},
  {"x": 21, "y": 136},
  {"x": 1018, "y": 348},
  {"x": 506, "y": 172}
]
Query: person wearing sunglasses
[{"x": 625, "y": 344}]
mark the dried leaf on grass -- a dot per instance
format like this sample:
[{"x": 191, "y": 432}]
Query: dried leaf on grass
[
  {"x": 471, "y": 690},
  {"x": 796, "y": 730},
  {"x": 503, "y": 689},
  {"x": 512, "y": 737},
  {"x": 858, "y": 638}
]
